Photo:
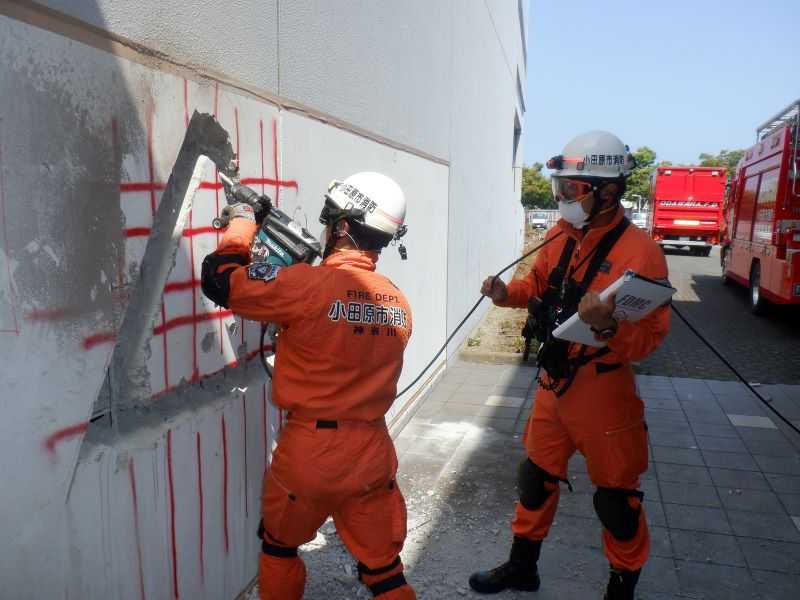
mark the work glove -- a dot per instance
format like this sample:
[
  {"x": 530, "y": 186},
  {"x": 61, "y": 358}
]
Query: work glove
[
  {"x": 239, "y": 210},
  {"x": 261, "y": 208}
]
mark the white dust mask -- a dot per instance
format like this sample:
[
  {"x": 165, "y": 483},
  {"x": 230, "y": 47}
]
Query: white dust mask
[{"x": 573, "y": 213}]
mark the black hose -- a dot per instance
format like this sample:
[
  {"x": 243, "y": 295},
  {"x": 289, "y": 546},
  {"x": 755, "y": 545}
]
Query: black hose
[
  {"x": 469, "y": 314},
  {"x": 734, "y": 371}
]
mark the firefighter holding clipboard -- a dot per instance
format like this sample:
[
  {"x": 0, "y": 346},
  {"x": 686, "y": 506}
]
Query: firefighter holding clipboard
[{"x": 586, "y": 399}]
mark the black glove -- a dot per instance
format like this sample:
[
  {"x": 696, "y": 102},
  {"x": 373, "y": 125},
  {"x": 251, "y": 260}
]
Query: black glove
[{"x": 261, "y": 208}]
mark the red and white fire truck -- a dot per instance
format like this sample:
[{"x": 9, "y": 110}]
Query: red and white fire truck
[
  {"x": 761, "y": 249},
  {"x": 687, "y": 207}
]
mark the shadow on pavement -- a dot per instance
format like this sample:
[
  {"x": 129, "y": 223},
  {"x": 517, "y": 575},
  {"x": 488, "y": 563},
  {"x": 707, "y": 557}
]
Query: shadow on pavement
[{"x": 458, "y": 463}]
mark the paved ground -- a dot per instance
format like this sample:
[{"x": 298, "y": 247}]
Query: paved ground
[
  {"x": 722, "y": 491},
  {"x": 722, "y": 496},
  {"x": 764, "y": 349}
]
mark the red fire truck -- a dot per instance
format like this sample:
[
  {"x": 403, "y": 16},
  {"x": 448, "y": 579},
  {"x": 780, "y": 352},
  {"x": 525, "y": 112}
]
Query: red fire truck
[
  {"x": 687, "y": 207},
  {"x": 762, "y": 245}
]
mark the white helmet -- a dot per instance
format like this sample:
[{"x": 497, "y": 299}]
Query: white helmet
[
  {"x": 373, "y": 197},
  {"x": 597, "y": 154}
]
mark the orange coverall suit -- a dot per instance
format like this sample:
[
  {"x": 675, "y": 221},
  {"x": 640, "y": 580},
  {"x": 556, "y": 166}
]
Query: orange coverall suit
[
  {"x": 345, "y": 328},
  {"x": 600, "y": 413}
]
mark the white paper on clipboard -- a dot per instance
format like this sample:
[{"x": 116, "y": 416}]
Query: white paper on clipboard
[{"x": 637, "y": 296}]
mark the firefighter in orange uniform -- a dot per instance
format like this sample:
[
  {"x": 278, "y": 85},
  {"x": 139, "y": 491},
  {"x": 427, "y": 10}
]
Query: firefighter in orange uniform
[
  {"x": 586, "y": 399},
  {"x": 345, "y": 328}
]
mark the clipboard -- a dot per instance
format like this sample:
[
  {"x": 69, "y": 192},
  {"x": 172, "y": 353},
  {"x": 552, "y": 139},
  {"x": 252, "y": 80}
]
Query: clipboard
[{"x": 637, "y": 296}]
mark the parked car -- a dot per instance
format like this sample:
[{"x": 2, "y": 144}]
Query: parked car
[
  {"x": 639, "y": 219},
  {"x": 538, "y": 220}
]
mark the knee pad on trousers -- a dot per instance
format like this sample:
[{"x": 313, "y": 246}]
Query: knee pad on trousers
[
  {"x": 382, "y": 579},
  {"x": 616, "y": 514},
  {"x": 271, "y": 549},
  {"x": 532, "y": 480}
]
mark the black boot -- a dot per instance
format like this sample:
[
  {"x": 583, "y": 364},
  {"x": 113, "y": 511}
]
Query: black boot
[
  {"x": 621, "y": 584},
  {"x": 519, "y": 573}
]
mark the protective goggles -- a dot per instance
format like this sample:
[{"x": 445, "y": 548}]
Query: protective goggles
[{"x": 570, "y": 190}]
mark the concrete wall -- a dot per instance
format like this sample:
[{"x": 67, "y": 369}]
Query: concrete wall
[{"x": 162, "y": 499}]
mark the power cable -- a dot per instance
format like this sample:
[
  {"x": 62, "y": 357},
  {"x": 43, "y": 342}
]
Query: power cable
[
  {"x": 472, "y": 310},
  {"x": 475, "y": 306},
  {"x": 734, "y": 371}
]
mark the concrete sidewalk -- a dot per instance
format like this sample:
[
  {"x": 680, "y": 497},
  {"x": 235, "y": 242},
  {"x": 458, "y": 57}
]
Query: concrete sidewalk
[{"x": 722, "y": 495}]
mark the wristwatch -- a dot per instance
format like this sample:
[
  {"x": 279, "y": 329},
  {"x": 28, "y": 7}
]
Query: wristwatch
[{"x": 607, "y": 333}]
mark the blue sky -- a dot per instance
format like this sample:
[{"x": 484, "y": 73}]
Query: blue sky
[{"x": 681, "y": 77}]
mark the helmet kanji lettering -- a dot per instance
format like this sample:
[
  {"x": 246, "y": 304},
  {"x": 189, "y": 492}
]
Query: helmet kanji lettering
[
  {"x": 604, "y": 156},
  {"x": 379, "y": 196}
]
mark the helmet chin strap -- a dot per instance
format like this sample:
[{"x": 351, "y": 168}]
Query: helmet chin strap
[
  {"x": 330, "y": 245},
  {"x": 355, "y": 243}
]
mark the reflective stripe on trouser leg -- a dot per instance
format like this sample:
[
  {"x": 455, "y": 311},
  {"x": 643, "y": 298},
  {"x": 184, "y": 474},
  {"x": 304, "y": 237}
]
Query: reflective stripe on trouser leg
[
  {"x": 373, "y": 528},
  {"x": 386, "y": 582},
  {"x": 281, "y": 578}
]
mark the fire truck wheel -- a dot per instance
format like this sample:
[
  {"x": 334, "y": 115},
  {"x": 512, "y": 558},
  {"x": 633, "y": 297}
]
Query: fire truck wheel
[
  {"x": 725, "y": 259},
  {"x": 758, "y": 304}
]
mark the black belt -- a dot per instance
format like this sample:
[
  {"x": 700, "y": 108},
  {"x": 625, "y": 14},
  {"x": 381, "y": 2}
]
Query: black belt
[{"x": 327, "y": 424}]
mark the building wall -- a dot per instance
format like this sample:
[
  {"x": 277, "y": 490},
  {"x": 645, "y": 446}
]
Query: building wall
[{"x": 162, "y": 499}]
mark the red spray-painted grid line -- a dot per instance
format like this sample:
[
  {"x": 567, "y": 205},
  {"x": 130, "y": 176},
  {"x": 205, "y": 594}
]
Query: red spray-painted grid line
[
  {"x": 187, "y": 320},
  {"x": 244, "y": 436},
  {"x": 110, "y": 336},
  {"x": 158, "y": 186},
  {"x": 53, "y": 314},
  {"x": 225, "y": 483},
  {"x": 15, "y": 329},
  {"x": 152, "y": 186},
  {"x": 172, "y": 515},
  {"x": 132, "y": 477},
  {"x": 275, "y": 159},
  {"x": 200, "y": 524},
  {"x": 60, "y": 435}
]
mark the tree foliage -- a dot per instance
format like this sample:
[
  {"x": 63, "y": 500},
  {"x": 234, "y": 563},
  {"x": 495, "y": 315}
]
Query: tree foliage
[
  {"x": 536, "y": 189},
  {"x": 639, "y": 181},
  {"x": 726, "y": 158}
]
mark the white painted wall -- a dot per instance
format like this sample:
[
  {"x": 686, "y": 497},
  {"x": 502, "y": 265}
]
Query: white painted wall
[{"x": 86, "y": 140}]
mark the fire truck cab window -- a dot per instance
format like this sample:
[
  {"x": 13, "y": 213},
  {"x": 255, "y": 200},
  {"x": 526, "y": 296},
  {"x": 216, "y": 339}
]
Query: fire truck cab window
[
  {"x": 747, "y": 205},
  {"x": 765, "y": 211}
]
